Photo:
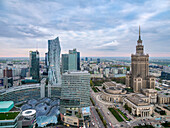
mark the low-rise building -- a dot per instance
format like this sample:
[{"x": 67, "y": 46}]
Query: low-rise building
[
  {"x": 138, "y": 106},
  {"x": 164, "y": 97},
  {"x": 152, "y": 94},
  {"x": 8, "y": 115}
]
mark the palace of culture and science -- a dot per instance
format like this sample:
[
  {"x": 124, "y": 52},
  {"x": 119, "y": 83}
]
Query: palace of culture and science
[{"x": 139, "y": 78}]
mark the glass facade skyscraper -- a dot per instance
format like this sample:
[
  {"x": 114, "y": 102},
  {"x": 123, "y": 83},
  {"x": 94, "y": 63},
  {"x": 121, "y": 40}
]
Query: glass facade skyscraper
[
  {"x": 71, "y": 61},
  {"x": 54, "y": 50},
  {"x": 75, "y": 90},
  {"x": 34, "y": 65}
]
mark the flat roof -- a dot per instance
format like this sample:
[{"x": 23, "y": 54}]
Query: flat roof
[
  {"x": 6, "y": 106},
  {"x": 137, "y": 101},
  {"x": 8, "y": 115}
]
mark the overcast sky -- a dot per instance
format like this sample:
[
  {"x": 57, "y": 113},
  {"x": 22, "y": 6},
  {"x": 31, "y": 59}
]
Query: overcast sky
[{"x": 95, "y": 27}]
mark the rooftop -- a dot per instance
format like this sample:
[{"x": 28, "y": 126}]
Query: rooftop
[
  {"x": 8, "y": 115},
  {"x": 137, "y": 101},
  {"x": 6, "y": 106}
]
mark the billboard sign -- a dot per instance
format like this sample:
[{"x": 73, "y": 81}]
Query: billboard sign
[
  {"x": 1, "y": 82},
  {"x": 86, "y": 111}
]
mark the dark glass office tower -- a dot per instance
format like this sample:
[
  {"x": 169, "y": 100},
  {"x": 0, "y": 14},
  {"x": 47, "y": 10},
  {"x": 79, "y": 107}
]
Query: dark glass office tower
[{"x": 34, "y": 65}]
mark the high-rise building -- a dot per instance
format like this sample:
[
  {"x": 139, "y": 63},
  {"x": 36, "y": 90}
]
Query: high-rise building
[
  {"x": 54, "y": 62},
  {"x": 75, "y": 94},
  {"x": 46, "y": 61},
  {"x": 34, "y": 65},
  {"x": 139, "y": 78},
  {"x": 71, "y": 61},
  {"x": 7, "y": 72},
  {"x": 86, "y": 58},
  {"x": 65, "y": 62},
  {"x": 98, "y": 60}
]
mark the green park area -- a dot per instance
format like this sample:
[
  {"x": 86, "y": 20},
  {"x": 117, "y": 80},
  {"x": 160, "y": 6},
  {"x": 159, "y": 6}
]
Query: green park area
[
  {"x": 157, "y": 89},
  {"x": 166, "y": 125},
  {"x": 116, "y": 115},
  {"x": 8, "y": 115},
  {"x": 146, "y": 126},
  {"x": 123, "y": 114}
]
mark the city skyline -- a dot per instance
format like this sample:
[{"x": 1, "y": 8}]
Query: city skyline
[{"x": 105, "y": 29}]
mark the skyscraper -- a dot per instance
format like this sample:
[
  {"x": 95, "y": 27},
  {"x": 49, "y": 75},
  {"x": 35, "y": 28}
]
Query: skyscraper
[
  {"x": 75, "y": 94},
  {"x": 46, "y": 61},
  {"x": 54, "y": 62},
  {"x": 98, "y": 60},
  {"x": 71, "y": 61},
  {"x": 76, "y": 88},
  {"x": 139, "y": 78},
  {"x": 86, "y": 58},
  {"x": 34, "y": 65}
]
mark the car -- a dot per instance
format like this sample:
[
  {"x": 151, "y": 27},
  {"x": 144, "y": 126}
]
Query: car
[
  {"x": 108, "y": 113},
  {"x": 110, "y": 124}
]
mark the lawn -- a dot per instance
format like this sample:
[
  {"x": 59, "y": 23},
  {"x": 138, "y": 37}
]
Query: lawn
[
  {"x": 116, "y": 115},
  {"x": 92, "y": 101},
  {"x": 123, "y": 114},
  {"x": 146, "y": 126},
  {"x": 157, "y": 89},
  {"x": 8, "y": 115},
  {"x": 166, "y": 125},
  {"x": 94, "y": 89}
]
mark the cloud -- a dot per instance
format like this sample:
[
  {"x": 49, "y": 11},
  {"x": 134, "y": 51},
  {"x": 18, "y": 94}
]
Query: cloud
[
  {"x": 107, "y": 46},
  {"x": 86, "y": 25}
]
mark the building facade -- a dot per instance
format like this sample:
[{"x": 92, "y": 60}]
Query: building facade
[
  {"x": 71, "y": 61},
  {"x": 7, "y": 72},
  {"x": 75, "y": 98},
  {"x": 75, "y": 91},
  {"x": 34, "y": 65},
  {"x": 139, "y": 78},
  {"x": 54, "y": 50},
  {"x": 138, "y": 106}
]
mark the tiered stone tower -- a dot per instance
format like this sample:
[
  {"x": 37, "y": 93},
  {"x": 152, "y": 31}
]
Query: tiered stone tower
[{"x": 139, "y": 78}]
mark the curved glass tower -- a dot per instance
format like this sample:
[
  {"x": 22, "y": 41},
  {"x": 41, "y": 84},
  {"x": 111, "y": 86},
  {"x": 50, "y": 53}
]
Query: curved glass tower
[{"x": 54, "y": 50}]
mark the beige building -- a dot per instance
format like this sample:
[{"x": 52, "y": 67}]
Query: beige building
[
  {"x": 138, "y": 106},
  {"x": 113, "y": 92},
  {"x": 164, "y": 97},
  {"x": 139, "y": 78},
  {"x": 151, "y": 94}
]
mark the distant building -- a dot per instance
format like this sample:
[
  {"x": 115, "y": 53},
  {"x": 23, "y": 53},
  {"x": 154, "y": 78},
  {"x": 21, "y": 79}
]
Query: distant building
[
  {"x": 46, "y": 59},
  {"x": 34, "y": 65},
  {"x": 75, "y": 94},
  {"x": 54, "y": 50},
  {"x": 65, "y": 62},
  {"x": 164, "y": 97},
  {"x": 165, "y": 74},
  {"x": 98, "y": 60},
  {"x": 71, "y": 61},
  {"x": 24, "y": 72},
  {"x": 86, "y": 58},
  {"x": 91, "y": 59},
  {"x": 7, "y": 72},
  {"x": 139, "y": 78}
]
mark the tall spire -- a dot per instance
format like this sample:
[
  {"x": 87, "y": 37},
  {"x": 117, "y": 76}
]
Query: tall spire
[{"x": 139, "y": 33}]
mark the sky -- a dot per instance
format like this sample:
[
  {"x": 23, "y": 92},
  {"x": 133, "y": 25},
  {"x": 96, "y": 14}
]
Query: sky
[{"x": 96, "y": 28}]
